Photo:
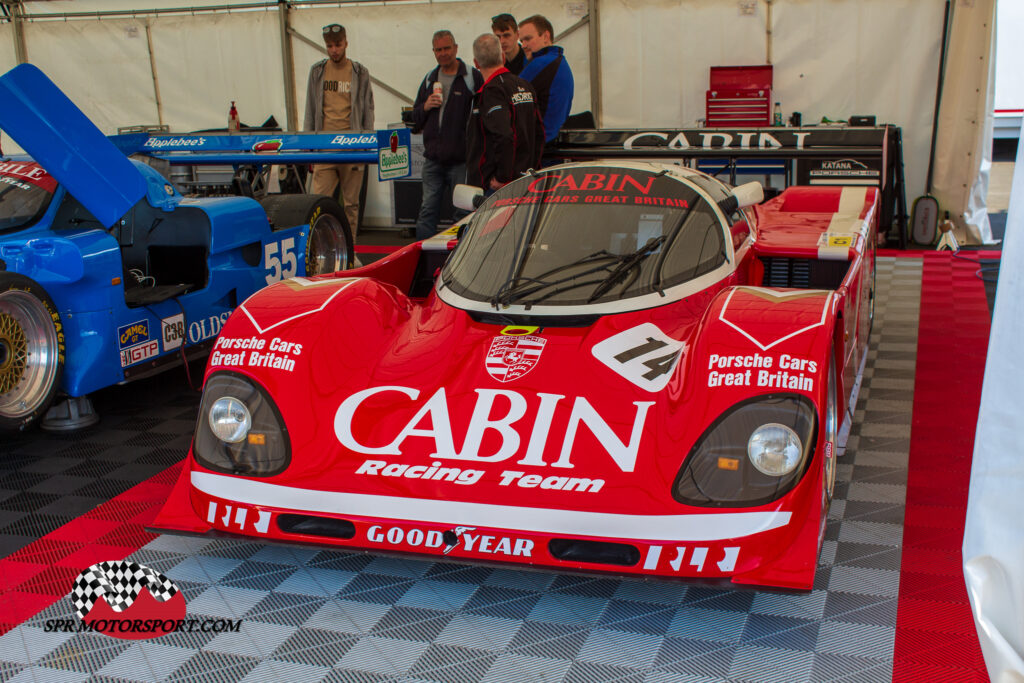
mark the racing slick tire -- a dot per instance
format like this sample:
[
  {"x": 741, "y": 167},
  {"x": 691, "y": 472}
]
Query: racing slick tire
[
  {"x": 329, "y": 246},
  {"x": 831, "y": 427},
  {"x": 871, "y": 292},
  {"x": 31, "y": 351}
]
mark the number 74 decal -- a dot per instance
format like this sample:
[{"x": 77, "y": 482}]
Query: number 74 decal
[{"x": 644, "y": 355}]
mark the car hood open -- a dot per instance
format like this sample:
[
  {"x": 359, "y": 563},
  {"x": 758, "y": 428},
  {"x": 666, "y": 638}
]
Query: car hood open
[{"x": 41, "y": 118}]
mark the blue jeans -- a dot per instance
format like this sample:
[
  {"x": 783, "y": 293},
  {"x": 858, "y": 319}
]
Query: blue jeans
[{"x": 439, "y": 181}]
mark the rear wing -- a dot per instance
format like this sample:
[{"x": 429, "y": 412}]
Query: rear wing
[
  {"x": 389, "y": 149},
  {"x": 825, "y": 155}
]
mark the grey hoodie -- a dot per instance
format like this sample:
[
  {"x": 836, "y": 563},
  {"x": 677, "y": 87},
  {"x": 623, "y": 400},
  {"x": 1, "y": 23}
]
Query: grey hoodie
[{"x": 362, "y": 98}]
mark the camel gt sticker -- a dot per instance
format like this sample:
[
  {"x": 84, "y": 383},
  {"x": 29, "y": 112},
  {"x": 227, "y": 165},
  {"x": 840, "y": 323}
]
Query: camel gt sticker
[
  {"x": 130, "y": 335},
  {"x": 511, "y": 357}
]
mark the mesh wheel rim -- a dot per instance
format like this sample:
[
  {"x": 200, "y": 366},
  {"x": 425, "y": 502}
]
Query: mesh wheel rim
[{"x": 30, "y": 366}]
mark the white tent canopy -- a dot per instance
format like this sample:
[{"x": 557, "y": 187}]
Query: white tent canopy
[{"x": 833, "y": 59}]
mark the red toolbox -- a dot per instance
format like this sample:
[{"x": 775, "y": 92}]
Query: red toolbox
[{"x": 739, "y": 96}]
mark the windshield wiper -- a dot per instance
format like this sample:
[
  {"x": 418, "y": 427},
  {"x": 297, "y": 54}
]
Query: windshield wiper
[
  {"x": 629, "y": 262},
  {"x": 620, "y": 266},
  {"x": 519, "y": 287}
]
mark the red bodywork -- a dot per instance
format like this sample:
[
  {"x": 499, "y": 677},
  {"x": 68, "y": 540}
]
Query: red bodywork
[{"x": 433, "y": 433}]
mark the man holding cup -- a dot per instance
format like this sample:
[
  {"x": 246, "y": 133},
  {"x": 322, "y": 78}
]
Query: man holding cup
[{"x": 440, "y": 112}]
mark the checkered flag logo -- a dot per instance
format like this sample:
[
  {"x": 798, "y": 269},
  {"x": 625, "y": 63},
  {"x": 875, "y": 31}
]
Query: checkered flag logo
[{"x": 120, "y": 584}]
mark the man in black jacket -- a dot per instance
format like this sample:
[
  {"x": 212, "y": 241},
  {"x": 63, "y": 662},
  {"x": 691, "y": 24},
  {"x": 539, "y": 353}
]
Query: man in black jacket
[
  {"x": 505, "y": 27},
  {"x": 441, "y": 111},
  {"x": 505, "y": 137}
]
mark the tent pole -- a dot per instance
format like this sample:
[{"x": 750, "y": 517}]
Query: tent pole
[
  {"x": 288, "y": 64},
  {"x": 594, "y": 26},
  {"x": 17, "y": 11},
  {"x": 152, "y": 70}
]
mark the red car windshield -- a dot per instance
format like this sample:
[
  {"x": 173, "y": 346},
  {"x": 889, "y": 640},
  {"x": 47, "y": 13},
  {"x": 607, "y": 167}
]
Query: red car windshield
[
  {"x": 25, "y": 193},
  {"x": 585, "y": 234}
]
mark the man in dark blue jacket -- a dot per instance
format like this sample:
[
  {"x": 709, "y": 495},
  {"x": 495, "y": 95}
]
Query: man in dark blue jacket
[
  {"x": 548, "y": 72},
  {"x": 441, "y": 111}
]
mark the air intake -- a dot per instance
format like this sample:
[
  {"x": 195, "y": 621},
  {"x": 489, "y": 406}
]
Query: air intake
[
  {"x": 593, "y": 552},
  {"x": 803, "y": 273},
  {"x": 787, "y": 272},
  {"x": 311, "y": 525}
]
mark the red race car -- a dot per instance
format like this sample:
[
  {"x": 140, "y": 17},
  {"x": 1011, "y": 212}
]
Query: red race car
[{"x": 617, "y": 367}]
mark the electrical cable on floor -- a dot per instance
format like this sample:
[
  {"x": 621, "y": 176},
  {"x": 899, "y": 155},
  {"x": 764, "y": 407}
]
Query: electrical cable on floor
[
  {"x": 184, "y": 341},
  {"x": 982, "y": 269}
]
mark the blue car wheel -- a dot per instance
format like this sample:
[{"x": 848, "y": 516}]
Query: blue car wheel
[{"x": 31, "y": 351}]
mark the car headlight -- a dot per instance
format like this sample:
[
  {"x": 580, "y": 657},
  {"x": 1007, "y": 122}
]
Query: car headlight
[
  {"x": 240, "y": 430},
  {"x": 774, "y": 449},
  {"x": 230, "y": 420},
  {"x": 754, "y": 453}
]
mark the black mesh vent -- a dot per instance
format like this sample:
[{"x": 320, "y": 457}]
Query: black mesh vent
[{"x": 802, "y": 273}]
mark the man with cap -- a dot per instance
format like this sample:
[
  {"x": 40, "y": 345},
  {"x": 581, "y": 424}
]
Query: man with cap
[{"x": 339, "y": 98}]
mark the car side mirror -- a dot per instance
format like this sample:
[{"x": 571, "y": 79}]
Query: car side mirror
[
  {"x": 747, "y": 194},
  {"x": 467, "y": 197}
]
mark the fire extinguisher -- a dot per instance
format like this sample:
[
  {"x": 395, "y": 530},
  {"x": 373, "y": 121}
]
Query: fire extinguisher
[{"x": 233, "y": 119}]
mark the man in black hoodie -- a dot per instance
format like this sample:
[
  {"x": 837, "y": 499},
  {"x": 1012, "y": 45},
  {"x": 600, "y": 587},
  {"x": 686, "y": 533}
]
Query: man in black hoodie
[
  {"x": 441, "y": 111},
  {"x": 505, "y": 137}
]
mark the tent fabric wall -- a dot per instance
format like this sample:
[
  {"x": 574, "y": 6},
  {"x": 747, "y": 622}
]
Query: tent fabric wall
[
  {"x": 204, "y": 62},
  {"x": 993, "y": 550},
  {"x": 7, "y": 61},
  {"x": 657, "y": 53},
  {"x": 964, "y": 130},
  {"x": 880, "y": 57},
  {"x": 393, "y": 43},
  {"x": 102, "y": 66},
  {"x": 832, "y": 58}
]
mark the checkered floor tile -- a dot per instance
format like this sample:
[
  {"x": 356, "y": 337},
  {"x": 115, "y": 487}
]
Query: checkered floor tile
[
  {"x": 48, "y": 479},
  {"x": 323, "y": 615}
]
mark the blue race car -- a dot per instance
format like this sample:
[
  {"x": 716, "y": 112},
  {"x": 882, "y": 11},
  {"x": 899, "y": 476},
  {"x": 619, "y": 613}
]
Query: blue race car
[{"x": 108, "y": 273}]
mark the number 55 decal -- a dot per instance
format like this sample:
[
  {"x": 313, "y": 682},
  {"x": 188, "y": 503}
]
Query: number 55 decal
[
  {"x": 644, "y": 355},
  {"x": 280, "y": 268}
]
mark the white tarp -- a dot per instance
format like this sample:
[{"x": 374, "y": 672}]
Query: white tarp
[
  {"x": 993, "y": 549},
  {"x": 964, "y": 132}
]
